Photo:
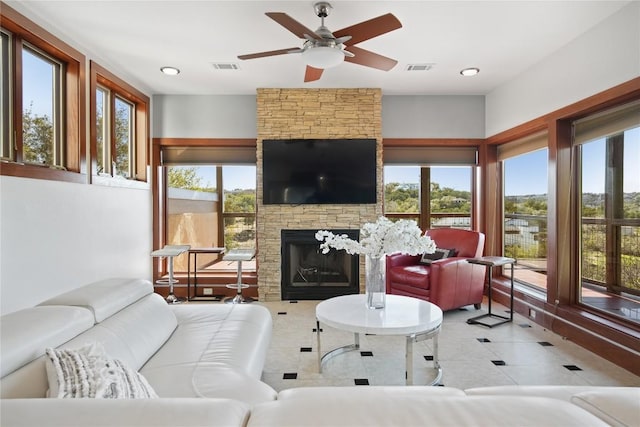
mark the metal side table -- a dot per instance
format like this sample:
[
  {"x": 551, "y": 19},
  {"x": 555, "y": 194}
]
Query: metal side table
[
  {"x": 195, "y": 252},
  {"x": 490, "y": 262},
  {"x": 169, "y": 252},
  {"x": 239, "y": 255}
]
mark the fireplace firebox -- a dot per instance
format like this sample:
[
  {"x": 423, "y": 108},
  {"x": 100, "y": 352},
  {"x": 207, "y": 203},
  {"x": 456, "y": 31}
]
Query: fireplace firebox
[{"x": 308, "y": 274}]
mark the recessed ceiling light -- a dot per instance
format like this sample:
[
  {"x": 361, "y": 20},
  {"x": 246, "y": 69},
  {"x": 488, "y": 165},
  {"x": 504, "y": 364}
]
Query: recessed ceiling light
[
  {"x": 170, "y": 71},
  {"x": 470, "y": 71}
]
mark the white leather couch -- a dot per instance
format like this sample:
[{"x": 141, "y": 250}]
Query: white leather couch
[
  {"x": 205, "y": 363},
  {"x": 185, "y": 351}
]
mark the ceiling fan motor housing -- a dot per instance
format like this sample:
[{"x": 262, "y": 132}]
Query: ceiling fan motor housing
[{"x": 322, "y": 9}]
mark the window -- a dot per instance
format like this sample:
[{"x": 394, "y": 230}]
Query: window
[
  {"x": 192, "y": 211},
  {"x": 41, "y": 112},
  {"x": 239, "y": 209},
  {"x": 525, "y": 216},
  {"x": 195, "y": 215},
  {"x": 119, "y": 135},
  {"x": 402, "y": 192},
  {"x": 609, "y": 151},
  {"x": 42, "y": 90},
  {"x": 434, "y": 197}
]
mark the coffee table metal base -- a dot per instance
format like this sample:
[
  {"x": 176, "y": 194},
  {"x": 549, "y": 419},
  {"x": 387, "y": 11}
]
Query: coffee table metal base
[{"x": 410, "y": 339}]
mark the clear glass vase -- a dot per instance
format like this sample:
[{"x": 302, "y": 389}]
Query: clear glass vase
[{"x": 375, "y": 284}]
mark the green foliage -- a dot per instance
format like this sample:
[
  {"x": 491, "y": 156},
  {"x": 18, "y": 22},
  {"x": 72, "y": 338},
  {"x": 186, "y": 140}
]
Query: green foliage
[
  {"x": 186, "y": 178},
  {"x": 240, "y": 201},
  {"x": 123, "y": 134},
  {"x": 405, "y": 198},
  {"x": 401, "y": 198},
  {"x": 37, "y": 138}
]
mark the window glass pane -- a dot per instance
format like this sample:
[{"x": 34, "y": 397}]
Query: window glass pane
[
  {"x": 239, "y": 193},
  {"x": 5, "y": 98},
  {"x": 451, "y": 197},
  {"x": 610, "y": 235},
  {"x": 525, "y": 216},
  {"x": 101, "y": 130},
  {"x": 38, "y": 98},
  {"x": 631, "y": 175},
  {"x": 192, "y": 217},
  {"x": 402, "y": 189},
  {"x": 123, "y": 138}
]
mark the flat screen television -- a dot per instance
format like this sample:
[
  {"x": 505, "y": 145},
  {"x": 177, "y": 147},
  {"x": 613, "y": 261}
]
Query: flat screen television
[{"x": 322, "y": 171}]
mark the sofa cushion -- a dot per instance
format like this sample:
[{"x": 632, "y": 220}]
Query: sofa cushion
[
  {"x": 133, "y": 334},
  {"x": 26, "y": 333},
  {"x": 416, "y": 275},
  {"x": 106, "y": 297},
  {"x": 88, "y": 372},
  {"x": 217, "y": 350},
  {"x": 404, "y": 409},
  {"x": 123, "y": 412},
  {"x": 617, "y": 406}
]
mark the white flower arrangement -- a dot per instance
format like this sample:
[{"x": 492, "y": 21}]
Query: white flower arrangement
[{"x": 380, "y": 238}]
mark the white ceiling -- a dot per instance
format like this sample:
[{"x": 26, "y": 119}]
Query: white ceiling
[{"x": 134, "y": 39}]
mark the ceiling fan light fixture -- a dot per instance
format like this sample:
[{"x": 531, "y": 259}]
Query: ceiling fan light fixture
[
  {"x": 323, "y": 57},
  {"x": 467, "y": 72}
]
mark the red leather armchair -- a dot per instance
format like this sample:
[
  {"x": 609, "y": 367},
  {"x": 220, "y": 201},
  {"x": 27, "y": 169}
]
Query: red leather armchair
[{"x": 450, "y": 282}]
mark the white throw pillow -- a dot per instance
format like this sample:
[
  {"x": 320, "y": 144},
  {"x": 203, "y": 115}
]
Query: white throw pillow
[{"x": 89, "y": 372}]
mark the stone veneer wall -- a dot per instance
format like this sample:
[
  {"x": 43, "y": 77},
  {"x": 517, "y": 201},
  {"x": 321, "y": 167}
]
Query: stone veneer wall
[{"x": 311, "y": 113}]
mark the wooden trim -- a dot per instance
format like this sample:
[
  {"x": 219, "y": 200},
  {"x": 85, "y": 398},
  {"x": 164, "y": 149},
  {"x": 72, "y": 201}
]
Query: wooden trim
[
  {"x": 432, "y": 142},
  {"x": 157, "y": 194},
  {"x": 425, "y": 198},
  {"x": 22, "y": 170},
  {"x": 490, "y": 192},
  {"x": 205, "y": 142}
]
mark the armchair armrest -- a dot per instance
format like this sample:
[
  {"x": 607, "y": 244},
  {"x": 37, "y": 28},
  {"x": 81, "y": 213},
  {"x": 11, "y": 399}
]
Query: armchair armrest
[
  {"x": 396, "y": 260},
  {"x": 454, "y": 280}
]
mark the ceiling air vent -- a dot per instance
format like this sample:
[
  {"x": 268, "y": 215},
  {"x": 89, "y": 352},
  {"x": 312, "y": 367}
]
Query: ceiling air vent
[
  {"x": 419, "y": 67},
  {"x": 225, "y": 66}
]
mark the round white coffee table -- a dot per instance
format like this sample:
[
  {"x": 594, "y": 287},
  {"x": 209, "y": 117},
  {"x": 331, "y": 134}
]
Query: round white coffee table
[{"x": 416, "y": 319}]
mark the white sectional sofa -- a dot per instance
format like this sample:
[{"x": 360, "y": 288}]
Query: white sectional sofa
[{"x": 204, "y": 361}]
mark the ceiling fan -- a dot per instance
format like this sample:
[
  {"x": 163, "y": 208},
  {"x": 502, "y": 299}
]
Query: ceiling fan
[{"x": 324, "y": 49}]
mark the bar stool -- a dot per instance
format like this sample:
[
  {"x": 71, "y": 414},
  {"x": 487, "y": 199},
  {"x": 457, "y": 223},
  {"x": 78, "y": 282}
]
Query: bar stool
[
  {"x": 239, "y": 255},
  {"x": 169, "y": 252}
]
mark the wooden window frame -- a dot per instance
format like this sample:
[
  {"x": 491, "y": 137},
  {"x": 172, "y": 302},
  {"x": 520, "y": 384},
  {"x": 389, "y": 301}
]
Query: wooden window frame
[
  {"x": 101, "y": 77},
  {"x": 73, "y": 133}
]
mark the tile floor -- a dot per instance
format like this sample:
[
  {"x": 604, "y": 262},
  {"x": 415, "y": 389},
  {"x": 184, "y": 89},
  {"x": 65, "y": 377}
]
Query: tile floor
[{"x": 521, "y": 352}]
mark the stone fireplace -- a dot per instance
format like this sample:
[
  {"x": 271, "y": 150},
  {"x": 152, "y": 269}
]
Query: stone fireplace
[{"x": 311, "y": 114}]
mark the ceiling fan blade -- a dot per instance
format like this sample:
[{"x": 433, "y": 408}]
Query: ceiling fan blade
[
  {"x": 270, "y": 53},
  {"x": 312, "y": 74},
  {"x": 369, "y": 29},
  {"x": 369, "y": 59},
  {"x": 292, "y": 25}
]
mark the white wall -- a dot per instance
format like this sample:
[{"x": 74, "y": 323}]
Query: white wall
[
  {"x": 204, "y": 116},
  {"x": 603, "y": 57},
  {"x": 433, "y": 116},
  {"x": 57, "y": 236},
  {"x": 227, "y": 116}
]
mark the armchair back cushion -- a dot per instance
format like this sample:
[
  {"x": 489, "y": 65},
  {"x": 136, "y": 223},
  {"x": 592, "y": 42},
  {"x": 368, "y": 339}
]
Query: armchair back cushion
[{"x": 449, "y": 282}]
